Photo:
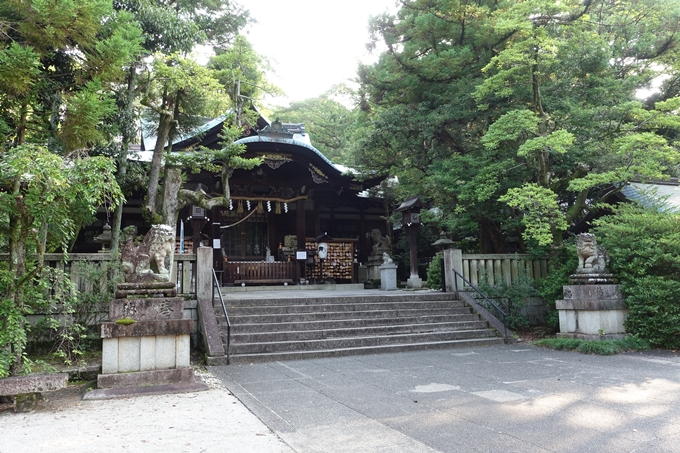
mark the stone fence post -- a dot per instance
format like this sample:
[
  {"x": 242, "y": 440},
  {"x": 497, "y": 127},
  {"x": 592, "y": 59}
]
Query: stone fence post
[
  {"x": 453, "y": 259},
  {"x": 204, "y": 262},
  {"x": 210, "y": 331}
]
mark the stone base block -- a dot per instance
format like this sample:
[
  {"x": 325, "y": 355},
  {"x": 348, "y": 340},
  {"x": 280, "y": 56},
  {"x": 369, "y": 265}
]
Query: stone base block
[
  {"x": 373, "y": 272},
  {"x": 146, "y": 378},
  {"x": 35, "y": 383},
  {"x": 592, "y": 311},
  {"x": 147, "y": 328},
  {"x": 595, "y": 322},
  {"x": 586, "y": 336},
  {"x": 159, "y": 352},
  {"x": 128, "y": 392},
  {"x": 414, "y": 282},
  {"x": 388, "y": 277}
]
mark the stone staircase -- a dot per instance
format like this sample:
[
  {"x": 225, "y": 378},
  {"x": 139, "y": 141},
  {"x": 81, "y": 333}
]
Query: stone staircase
[{"x": 290, "y": 328}]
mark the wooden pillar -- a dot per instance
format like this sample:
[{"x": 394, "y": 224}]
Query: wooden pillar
[
  {"x": 301, "y": 235},
  {"x": 363, "y": 252},
  {"x": 413, "y": 247},
  {"x": 272, "y": 233},
  {"x": 196, "y": 227}
]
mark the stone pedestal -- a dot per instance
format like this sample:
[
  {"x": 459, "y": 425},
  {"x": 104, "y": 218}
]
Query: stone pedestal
[
  {"x": 362, "y": 274},
  {"x": 414, "y": 282},
  {"x": 373, "y": 266},
  {"x": 150, "y": 343},
  {"x": 388, "y": 277},
  {"x": 592, "y": 312}
]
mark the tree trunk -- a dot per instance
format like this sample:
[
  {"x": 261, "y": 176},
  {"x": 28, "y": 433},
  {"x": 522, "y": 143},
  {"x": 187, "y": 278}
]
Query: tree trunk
[
  {"x": 157, "y": 160},
  {"x": 491, "y": 238},
  {"x": 127, "y": 137}
]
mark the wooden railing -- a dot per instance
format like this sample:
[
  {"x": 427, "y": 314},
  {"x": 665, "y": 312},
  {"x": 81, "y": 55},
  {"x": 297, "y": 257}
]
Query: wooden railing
[
  {"x": 259, "y": 272},
  {"x": 499, "y": 269},
  {"x": 183, "y": 269}
]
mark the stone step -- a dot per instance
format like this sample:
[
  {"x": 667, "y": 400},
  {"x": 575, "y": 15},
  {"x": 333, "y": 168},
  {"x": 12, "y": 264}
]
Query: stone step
[
  {"x": 358, "y": 342},
  {"x": 347, "y": 323},
  {"x": 306, "y": 334},
  {"x": 326, "y": 315},
  {"x": 374, "y": 297},
  {"x": 339, "y": 307},
  {"x": 294, "y": 327},
  {"x": 340, "y": 352}
]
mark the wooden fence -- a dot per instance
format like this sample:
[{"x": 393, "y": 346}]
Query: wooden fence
[
  {"x": 259, "y": 272},
  {"x": 494, "y": 269},
  {"x": 499, "y": 269},
  {"x": 77, "y": 266}
]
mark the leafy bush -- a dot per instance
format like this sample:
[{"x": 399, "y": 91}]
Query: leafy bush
[
  {"x": 562, "y": 263},
  {"x": 69, "y": 323},
  {"x": 644, "y": 249},
  {"x": 434, "y": 271},
  {"x": 599, "y": 347},
  {"x": 511, "y": 298}
]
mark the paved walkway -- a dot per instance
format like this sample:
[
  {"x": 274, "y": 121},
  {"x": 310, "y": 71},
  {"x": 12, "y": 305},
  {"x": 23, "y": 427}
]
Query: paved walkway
[{"x": 505, "y": 398}]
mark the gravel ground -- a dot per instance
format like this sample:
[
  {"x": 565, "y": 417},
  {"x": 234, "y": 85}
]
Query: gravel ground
[{"x": 209, "y": 421}]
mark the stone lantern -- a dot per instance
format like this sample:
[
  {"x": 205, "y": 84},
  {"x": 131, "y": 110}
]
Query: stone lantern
[
  {"x": 442, "y": 244},
  {"x": 410, "y": 211},
  {"x": 104, "y": 239}
]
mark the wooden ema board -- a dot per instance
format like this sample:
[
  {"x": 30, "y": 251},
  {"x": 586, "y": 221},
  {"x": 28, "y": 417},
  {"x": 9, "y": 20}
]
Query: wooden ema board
[{"x": 339, "y": 264}]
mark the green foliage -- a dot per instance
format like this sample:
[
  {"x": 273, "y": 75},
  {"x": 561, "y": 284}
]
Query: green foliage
[
  {"x": 511, "y": 298},
  {"x": 599, "y": 347},
  {"x": 434, "y": 271},
  {"x": 44, "y": 198},
  {"x": 644, "y": 249},
  {"x": 542, "y": 213},
  {"x": 562, "y": 263},
  {"x": 532, "y": 102},
  {"x": 328, "y": 121},
  {"x": 59, "y": 63},
  {"x": 242, "y": 73}
]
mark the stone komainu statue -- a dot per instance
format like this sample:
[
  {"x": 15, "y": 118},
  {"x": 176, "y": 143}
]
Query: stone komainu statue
[
  {"x": 591, "y": 257},
  {"x": 381, "y": 243},
  {"x": 387, "y": 259},
  {"x": 158, "y": 243}
]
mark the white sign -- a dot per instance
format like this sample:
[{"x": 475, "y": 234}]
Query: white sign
[
  {"x": 216, "y": 243},
  {"x": 302, "y": 254}
]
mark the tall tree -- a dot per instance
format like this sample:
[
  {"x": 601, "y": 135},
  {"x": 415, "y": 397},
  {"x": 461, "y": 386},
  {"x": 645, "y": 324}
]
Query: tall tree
[
  {"x": 500, "y": 109},
  {"x": 329, "y": 122},
  {"x": 59, "y": 62},
  {"x": 170, "y": 28}
]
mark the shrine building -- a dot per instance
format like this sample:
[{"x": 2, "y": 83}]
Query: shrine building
[{"x": 280, "y": 211}]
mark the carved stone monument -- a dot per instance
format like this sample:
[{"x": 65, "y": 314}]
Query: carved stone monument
[
  {"x": 592, "y": 308},
  {"x": 147, "y": 344},
  {"x": 381, "y": 244}
]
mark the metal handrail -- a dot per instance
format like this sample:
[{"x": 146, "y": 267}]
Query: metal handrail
[
  {"x": 224, "y": 309},
  {"x": 493, "y": 304}
]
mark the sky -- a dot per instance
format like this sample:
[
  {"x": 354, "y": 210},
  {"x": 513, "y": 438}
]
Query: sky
[{"x": 312, "y": 44}]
